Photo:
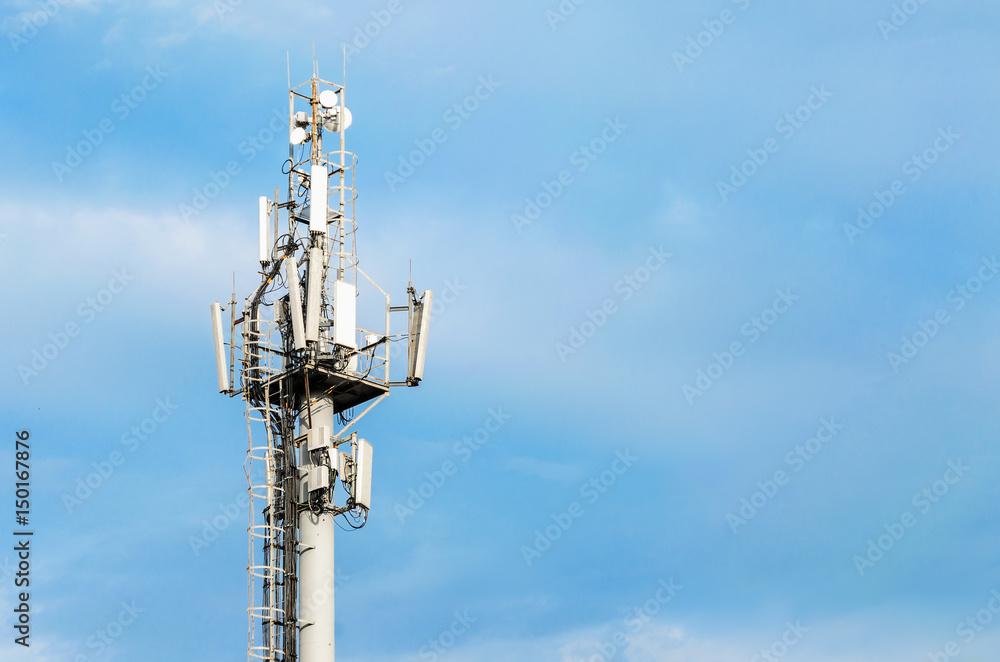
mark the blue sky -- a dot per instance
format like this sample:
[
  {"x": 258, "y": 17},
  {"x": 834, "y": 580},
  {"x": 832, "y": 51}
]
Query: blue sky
[{"x": 780, "y": 317}]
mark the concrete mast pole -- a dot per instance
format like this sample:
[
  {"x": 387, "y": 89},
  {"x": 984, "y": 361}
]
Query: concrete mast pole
[{"x": 316, "y": 598}]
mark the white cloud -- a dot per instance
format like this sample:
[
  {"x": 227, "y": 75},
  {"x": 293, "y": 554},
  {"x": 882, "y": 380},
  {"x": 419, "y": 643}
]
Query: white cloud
[
  {"x": 166, "y": 254},
  {"x": 553, "y": 471},
  {"x": 858, "y": 637},
  {"x": 32, "y": 16}
]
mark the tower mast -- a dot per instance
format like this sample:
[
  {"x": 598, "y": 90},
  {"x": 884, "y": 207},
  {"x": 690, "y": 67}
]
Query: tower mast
[{"x": 305, "y": 365}]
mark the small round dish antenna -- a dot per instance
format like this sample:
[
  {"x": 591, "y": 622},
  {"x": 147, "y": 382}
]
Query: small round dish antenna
[
  {"x": 328, "y": 98},
  {"x": 298, "y": 136},
  {"x": 347, "y": 119},
  {"x": 332, "y": 120}
]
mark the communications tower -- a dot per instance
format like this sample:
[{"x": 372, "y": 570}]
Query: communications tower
[{"x": 300, "y": 359}]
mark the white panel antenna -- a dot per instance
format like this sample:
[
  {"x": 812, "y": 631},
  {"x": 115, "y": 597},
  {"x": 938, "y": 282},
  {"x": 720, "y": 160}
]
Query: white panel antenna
[
  {"x": 314, "y": 295},
  {"x": 295, "y": 302},
  {"x": 419, "y": 322},
  {"x": 221, "y": 364},
  {"x": 317, "y": 198},
  {"x": 362, "y": 491},
  {"x": 345, "y": 307},
  {"x": 264, "y": 212}
]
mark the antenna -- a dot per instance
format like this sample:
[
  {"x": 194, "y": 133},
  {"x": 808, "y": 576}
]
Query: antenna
[
  {"x": 295, "y": 303},
  {"x": 315, "y": 291},
  {"x": 302, "y": 371},
  {"x": 318, "y": 190},
  {"x": 221, "y": 365},
  {"x": 328, "y": 99},
  {"x": 362, "y": 491},
  {"x": 264, "y": 213},
  {"x": 420, "y": 320}
]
